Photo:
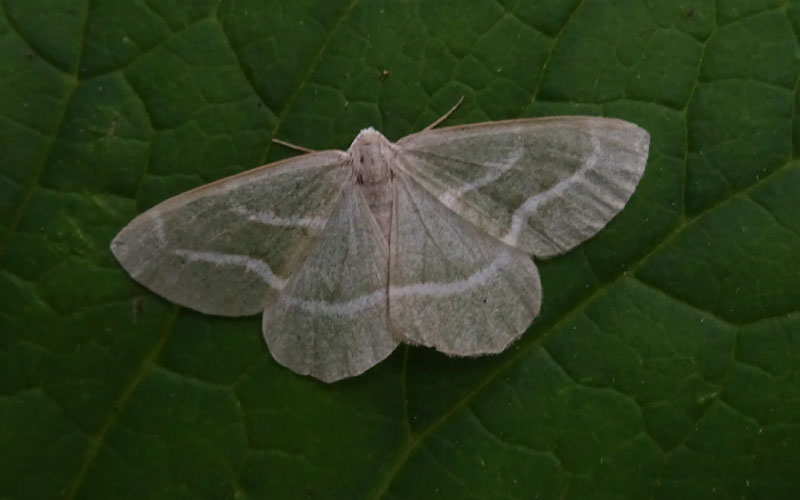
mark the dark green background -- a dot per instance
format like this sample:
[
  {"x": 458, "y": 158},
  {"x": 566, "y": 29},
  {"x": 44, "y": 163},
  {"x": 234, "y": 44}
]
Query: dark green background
[{"x": 666, "y": 360}]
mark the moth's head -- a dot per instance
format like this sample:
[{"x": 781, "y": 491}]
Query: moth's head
[
  {"x": 369, "y": 137},
  {"x": 371, "y": 154}
]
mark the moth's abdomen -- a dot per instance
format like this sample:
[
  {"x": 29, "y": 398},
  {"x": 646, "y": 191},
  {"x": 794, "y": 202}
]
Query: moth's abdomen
[{"x": 379, "y": 199}]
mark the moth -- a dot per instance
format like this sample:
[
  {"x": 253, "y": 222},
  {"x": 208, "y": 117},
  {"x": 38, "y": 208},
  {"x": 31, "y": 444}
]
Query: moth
[{"x": 424, "y": 241}]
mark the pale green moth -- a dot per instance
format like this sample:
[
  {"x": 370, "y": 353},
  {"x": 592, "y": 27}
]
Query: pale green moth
[{"x": 423, "y": 241}]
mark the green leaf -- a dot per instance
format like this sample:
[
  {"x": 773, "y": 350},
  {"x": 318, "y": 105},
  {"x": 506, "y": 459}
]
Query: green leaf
[{"x": 666, "y": 360}]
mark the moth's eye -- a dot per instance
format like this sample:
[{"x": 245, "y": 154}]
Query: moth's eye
[{"x": 362, "y": 159}]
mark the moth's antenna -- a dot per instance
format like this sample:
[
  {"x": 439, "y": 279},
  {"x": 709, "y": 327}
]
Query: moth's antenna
[
  {"x": 444, "y": 116},
  {"x": 293, "y": 146}
]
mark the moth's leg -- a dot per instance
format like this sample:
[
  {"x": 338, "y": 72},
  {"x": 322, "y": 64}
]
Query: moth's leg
[
  {"x": 444, "y": 116},
  {"x": 293, "y": 146}
]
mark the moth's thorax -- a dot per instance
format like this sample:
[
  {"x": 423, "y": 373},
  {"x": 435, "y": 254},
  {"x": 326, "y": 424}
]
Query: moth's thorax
[{"x": 372, "y": 156}]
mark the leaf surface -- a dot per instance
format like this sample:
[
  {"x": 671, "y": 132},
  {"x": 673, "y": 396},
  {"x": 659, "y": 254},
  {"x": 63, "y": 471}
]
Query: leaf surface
[{"x": 666, "y": 360}]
